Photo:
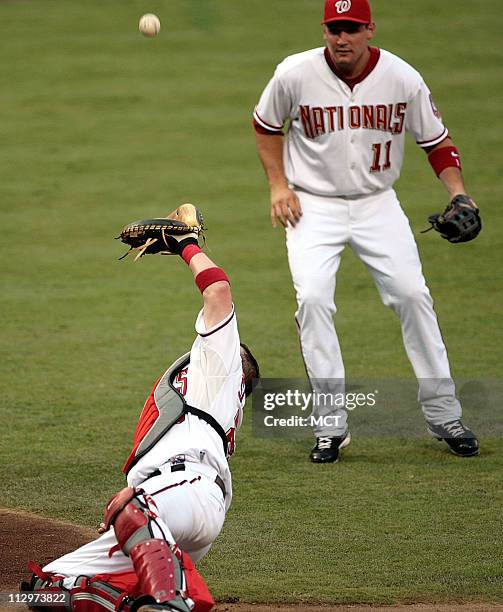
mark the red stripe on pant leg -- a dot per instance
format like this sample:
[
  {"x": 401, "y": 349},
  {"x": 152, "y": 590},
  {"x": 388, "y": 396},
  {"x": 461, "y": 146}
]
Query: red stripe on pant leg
[{"x": 177, "y": 484}]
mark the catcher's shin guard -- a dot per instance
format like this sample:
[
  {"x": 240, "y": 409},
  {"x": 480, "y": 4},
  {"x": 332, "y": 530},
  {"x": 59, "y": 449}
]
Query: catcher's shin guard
[
  {"x": 160, "y": 576},
  {"x": 157, "y": 571}
]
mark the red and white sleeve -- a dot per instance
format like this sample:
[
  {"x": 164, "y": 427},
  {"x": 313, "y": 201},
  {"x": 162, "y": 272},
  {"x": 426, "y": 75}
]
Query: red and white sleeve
[
  {"x": 273, "y": 109},
  {"x": 423, "y": 119}
]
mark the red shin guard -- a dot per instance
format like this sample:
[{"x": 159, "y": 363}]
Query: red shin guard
[{"x": 155, "y": 568}]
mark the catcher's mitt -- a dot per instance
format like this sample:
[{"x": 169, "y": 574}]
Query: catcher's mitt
[
  {"x": 163, "y": 235},
  {"x": 460, "y": 221}
]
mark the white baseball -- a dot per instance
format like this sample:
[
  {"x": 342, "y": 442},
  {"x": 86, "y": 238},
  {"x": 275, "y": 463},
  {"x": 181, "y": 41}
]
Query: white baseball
[{"x": 149, "y": 25}]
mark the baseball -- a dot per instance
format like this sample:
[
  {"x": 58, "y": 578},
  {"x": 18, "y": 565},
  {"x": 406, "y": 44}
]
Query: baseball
[{"x": 149, "y": 25}]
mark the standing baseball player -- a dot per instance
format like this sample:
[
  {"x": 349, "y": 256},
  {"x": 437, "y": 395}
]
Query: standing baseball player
[
  {"x": 346, "y": 108},
  {"x": 179, "y": 483}
]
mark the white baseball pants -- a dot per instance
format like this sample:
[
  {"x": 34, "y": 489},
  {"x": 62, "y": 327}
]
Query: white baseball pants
[
  {"x": 190, "y": 510},
  {"x": 377, "y": 230}
]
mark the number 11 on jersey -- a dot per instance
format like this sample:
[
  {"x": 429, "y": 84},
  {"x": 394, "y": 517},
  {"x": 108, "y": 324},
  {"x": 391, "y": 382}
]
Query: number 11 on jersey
[{"x": 377, "y": 149}]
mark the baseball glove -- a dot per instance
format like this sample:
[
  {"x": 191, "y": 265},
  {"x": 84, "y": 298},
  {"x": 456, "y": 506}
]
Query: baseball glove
[
  {"x": 460, "y": 221},
  {"x": 164, "y": 234}
]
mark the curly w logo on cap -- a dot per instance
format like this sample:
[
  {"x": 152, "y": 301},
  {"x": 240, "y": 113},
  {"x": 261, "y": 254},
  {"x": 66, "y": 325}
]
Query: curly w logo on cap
[
  {"x": 343, "y": 6},
  {"x": 347, "y": 10}
]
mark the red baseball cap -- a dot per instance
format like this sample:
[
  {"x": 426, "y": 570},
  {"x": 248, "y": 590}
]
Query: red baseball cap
[{"x": 347, "y": 10}]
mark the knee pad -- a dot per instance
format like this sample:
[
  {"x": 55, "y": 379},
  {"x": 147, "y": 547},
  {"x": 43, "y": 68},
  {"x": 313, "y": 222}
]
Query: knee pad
[{"x": 130, "y": 517}]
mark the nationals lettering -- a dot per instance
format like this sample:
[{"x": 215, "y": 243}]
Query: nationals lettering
[{"x": 319, "y": 120}]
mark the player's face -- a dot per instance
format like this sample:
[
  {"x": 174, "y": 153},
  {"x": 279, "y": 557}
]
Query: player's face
[{"x": 347, "y": 42}]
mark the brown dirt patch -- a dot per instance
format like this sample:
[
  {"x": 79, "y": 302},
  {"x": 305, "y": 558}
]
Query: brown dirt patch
[{"x": 28, "y": 536}]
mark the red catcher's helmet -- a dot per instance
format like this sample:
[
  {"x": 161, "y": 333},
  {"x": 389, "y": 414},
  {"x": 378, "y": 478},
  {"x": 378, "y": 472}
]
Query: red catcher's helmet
[{"x": 347, "y": 10}]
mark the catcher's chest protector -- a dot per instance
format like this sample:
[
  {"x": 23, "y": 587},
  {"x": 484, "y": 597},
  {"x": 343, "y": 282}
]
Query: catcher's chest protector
[{"x": 163, "y": 408}]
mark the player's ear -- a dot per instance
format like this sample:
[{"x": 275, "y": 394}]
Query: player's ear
[{"x": 371, "y": 28}]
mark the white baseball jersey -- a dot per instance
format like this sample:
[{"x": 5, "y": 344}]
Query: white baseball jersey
[
  {"x": 188, "y": 505},
  {"x": 214, "y": 382},
  {"x": 342, "y": 141}
]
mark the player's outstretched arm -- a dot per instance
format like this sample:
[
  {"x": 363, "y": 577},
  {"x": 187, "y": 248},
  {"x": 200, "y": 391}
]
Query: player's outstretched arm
[
  {"x": 285, "y": 205},
  {"x": 214, "y": 286},
  {"x": 177, "y": 234},
  {"x": 209, "y": 278}
]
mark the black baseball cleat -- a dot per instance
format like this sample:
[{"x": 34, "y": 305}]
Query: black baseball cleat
[
  {"x": 461, "y": 441},
  {"x": 327, "y": 449}
]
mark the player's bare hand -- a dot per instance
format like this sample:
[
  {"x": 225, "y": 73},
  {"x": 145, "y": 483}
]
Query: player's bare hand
[
  {"x": 101, "y": 528},
  {"x": 285, "y": 207}
]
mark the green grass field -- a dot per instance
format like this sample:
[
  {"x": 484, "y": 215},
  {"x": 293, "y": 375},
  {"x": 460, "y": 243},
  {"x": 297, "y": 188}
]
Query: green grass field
[{"x": 100, "y": 126}]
